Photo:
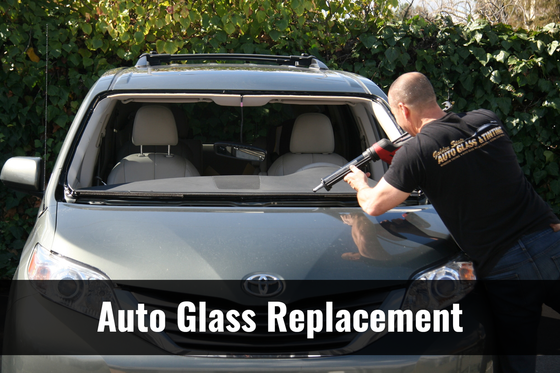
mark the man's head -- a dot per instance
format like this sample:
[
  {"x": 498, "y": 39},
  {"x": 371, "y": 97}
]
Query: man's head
[{"x": 413, "y": 102}]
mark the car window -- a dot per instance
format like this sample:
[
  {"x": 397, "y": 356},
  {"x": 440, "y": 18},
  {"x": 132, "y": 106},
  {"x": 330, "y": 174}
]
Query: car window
[
  {"x": 386, "y": 120},
  {"x": 110, "y": 143}
]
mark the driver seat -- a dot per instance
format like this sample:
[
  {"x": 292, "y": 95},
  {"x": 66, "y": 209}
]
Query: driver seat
[
  {"x": 153, "y": 125},
  {"x": 312, "y": 142}
]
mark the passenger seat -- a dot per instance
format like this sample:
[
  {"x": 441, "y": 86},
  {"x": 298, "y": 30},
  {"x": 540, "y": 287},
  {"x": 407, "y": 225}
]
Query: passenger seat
[{"x": 311, "y": 144}]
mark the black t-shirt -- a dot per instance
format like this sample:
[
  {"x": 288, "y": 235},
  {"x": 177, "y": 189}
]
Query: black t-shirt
[{"x": 467, "y": 168}]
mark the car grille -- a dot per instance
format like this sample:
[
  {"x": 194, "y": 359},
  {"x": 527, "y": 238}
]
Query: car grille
[{"x": 259, "y": 341}]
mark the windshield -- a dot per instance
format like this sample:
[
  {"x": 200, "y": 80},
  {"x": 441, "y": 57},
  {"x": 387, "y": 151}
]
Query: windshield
[{"x": 223, "y": 147}]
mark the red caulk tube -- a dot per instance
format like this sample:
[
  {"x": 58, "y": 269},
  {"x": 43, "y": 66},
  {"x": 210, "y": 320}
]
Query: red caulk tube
[{"x": 384, "y": 149}]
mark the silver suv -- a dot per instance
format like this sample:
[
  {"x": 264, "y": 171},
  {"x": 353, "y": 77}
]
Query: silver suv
[{"x": 180, "y": 230}]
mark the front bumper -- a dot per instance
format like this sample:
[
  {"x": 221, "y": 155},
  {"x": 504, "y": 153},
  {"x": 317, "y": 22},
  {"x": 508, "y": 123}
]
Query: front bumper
[{"x": 171, "y": 364}]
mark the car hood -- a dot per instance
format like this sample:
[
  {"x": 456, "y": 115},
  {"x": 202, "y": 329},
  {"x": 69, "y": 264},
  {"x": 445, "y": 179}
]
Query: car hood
[{"x": 153, "y": 243}]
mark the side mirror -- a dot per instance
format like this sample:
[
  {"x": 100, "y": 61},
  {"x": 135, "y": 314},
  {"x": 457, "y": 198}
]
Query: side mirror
[
  {"x": 24, "y": 174},
  {"x": 240, "y": 151}
]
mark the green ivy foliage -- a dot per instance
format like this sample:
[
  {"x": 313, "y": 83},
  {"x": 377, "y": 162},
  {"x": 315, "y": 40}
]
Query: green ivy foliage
[{"x": 514, "y": 72}]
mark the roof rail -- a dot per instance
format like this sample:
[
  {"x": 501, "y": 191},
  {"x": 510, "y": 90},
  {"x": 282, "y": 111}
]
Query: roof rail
[{"x": 305, "y": 60}]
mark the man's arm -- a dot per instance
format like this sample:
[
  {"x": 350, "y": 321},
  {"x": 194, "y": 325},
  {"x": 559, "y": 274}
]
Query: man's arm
[{"x": 377, "y": 200}]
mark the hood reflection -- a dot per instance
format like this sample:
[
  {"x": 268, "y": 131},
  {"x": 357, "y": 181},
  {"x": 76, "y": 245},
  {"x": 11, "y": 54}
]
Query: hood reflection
[{"x": 366, "y": 234}]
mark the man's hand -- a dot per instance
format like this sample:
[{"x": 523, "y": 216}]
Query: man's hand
[
  {"x": 374, "y": 201},
  {"x": 357, "y": 179}
]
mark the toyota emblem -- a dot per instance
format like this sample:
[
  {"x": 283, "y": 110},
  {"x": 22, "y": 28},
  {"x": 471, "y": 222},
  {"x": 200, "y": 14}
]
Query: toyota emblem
[{"x": 263, "y": 285}]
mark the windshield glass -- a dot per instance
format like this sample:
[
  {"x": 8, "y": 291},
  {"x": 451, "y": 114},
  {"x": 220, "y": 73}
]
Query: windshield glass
[{"x": 224, "y": 146}]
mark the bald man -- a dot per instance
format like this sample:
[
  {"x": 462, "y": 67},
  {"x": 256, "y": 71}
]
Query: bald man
[{"x": 466, "y": 166}]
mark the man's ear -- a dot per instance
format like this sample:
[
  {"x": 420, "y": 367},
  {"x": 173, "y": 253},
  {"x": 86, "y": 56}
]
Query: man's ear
[{"x": 405, "y": 110}]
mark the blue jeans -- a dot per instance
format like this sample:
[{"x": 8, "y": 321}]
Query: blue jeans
[{"x": 527, "y": 276}]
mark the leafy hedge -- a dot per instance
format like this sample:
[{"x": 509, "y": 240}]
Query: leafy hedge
[{"x": 513, "y": 72}]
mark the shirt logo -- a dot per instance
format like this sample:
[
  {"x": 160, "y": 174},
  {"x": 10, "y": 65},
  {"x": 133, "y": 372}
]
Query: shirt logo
[{"x": 484, "y": 135}]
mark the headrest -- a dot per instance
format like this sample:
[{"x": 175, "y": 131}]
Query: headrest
[
  {"x": 312, "y": 133},
  {"x": 154, "y": 125}
]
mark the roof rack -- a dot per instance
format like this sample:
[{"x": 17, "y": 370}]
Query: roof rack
[{"x": 305, "y": 60}]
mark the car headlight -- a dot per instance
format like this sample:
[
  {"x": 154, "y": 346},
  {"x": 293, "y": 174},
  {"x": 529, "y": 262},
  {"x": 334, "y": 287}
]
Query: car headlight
[
  {"x": 69, "y": 282},
  {"x": 438, "y": 288}
]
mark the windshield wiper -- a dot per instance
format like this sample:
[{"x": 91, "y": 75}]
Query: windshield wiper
[{"x": 198, "y": 199}]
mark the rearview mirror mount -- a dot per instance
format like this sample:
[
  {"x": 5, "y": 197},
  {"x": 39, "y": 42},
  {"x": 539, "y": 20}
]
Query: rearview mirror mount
[{"x": 240, "y": 151}]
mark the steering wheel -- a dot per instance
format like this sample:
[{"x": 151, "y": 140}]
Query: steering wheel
[{"x": 318, "y": 164}]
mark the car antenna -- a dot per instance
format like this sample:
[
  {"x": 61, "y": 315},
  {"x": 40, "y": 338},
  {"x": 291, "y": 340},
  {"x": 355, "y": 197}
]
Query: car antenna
[{"x": 46, "y": 103}]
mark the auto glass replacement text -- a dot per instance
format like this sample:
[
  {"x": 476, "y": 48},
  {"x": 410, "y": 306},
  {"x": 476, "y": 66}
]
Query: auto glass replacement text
[{"x": 195, "y": 318}]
